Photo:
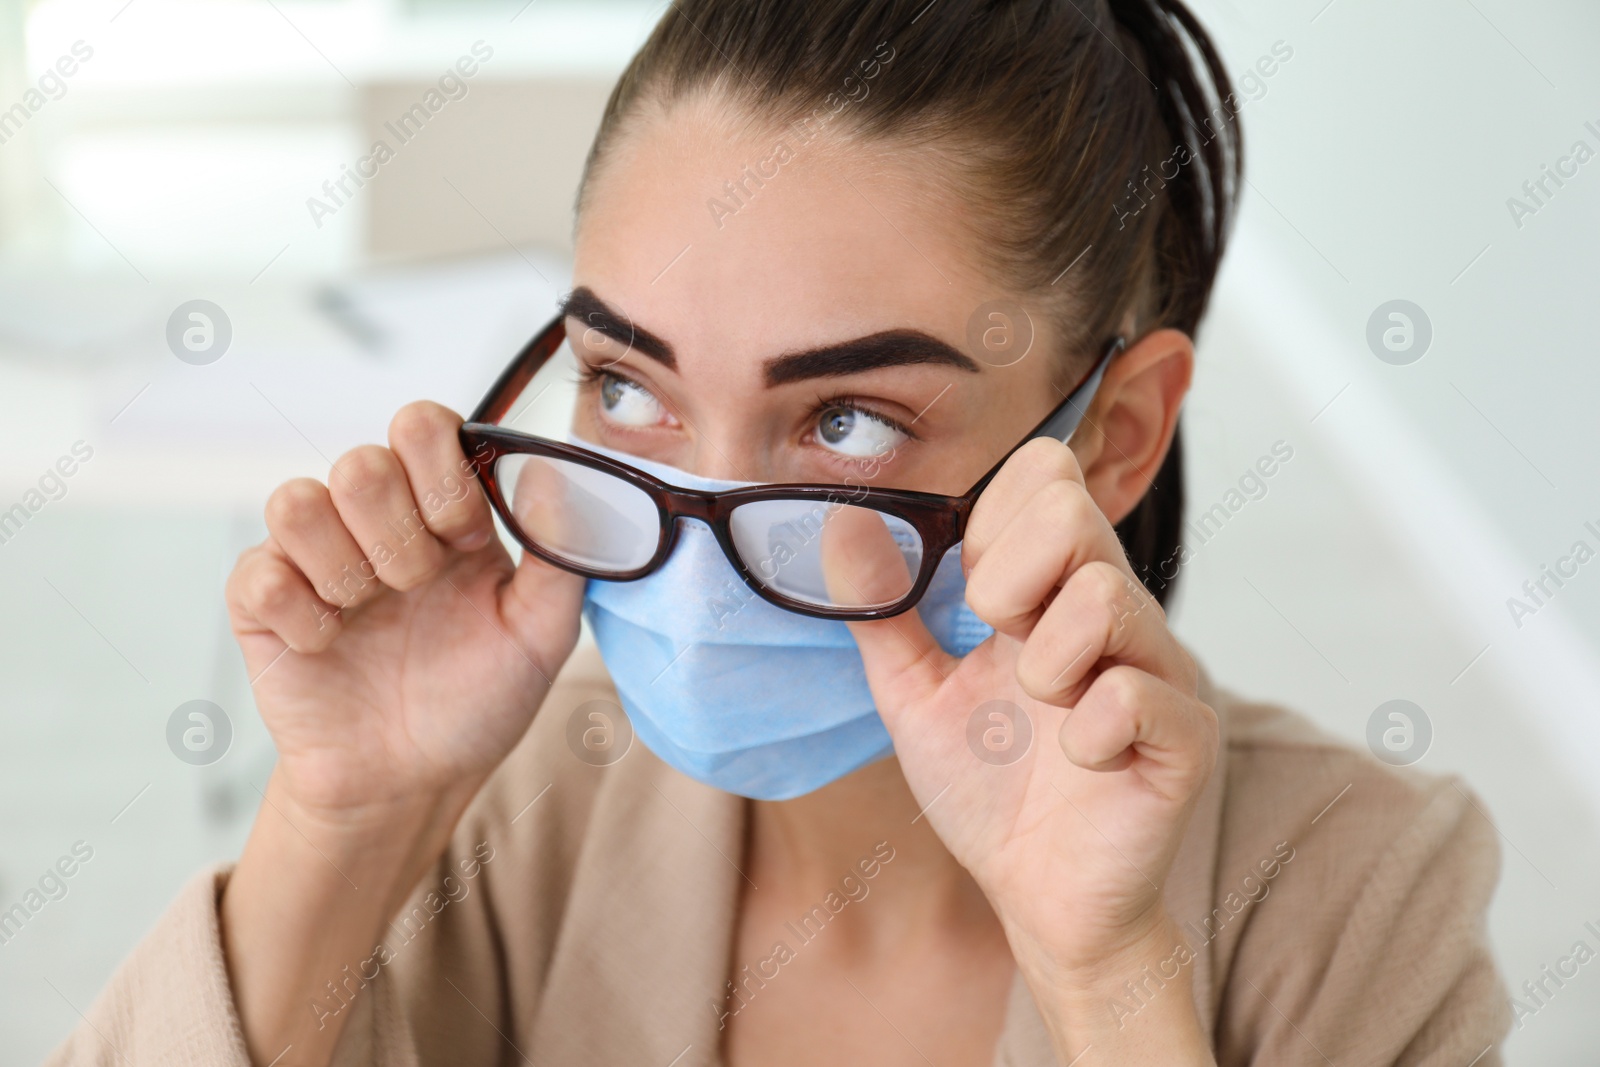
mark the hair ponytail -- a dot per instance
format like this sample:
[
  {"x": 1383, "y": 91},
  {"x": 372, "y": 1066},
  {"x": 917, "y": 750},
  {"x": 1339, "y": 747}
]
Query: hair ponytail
[{"x": 1199, "y": 116}]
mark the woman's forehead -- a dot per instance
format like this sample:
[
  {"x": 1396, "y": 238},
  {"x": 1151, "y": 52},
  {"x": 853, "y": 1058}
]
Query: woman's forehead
[{"x": 701, "y": 231}]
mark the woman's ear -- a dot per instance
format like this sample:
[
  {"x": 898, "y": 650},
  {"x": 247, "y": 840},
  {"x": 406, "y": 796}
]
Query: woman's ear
[{"x": 1129, "y": 426}]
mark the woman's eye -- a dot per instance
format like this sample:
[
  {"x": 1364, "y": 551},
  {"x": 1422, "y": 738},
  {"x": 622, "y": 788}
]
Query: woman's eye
[
  {"x": 628, "y": 403},
  {"x": 856, "y": 433}
]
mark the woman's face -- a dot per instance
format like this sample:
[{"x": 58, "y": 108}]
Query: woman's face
[{"x": 727, "y": 299}]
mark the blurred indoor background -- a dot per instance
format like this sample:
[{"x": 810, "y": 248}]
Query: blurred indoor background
[{"x": 1431, "y": 476}]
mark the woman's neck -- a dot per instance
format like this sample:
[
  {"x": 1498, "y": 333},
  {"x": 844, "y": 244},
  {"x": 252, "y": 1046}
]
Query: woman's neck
[{"x": 862, "y": 836}]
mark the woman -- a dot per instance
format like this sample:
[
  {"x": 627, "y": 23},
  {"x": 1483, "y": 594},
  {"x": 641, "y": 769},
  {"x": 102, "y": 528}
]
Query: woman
[{"x": 916, "y": 804}]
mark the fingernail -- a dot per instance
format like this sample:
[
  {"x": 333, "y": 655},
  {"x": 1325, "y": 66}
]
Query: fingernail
[{"x": 473, "y": 541}]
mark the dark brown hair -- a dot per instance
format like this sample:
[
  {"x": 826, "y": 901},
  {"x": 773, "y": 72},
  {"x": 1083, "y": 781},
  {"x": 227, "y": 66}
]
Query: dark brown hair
[{"x": 1095, "y": 142}]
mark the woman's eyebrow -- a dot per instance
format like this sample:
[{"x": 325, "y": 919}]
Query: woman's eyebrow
[
  {"x": 887, "y": 348},
  {"x": 584, "y": 305}
]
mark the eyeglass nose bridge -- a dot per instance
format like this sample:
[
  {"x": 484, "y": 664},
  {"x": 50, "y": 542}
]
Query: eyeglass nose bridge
[
  {"x": 689, "y": 505},
  {"x": 685, "y": 505}
]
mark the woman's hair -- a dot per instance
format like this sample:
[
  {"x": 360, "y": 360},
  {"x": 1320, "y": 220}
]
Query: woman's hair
[{"x": 1095, "y": 143}]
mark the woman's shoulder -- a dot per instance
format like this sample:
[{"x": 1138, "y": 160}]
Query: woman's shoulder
[
  {"x": 1347, "y": 889},
  {"x": 1290, "y": 777}
]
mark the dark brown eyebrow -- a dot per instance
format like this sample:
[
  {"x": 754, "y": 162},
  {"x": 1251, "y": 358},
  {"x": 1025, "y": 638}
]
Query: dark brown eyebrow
[
  {"x": 887, "y": 348},
  {"x": 584, "y": 305}
]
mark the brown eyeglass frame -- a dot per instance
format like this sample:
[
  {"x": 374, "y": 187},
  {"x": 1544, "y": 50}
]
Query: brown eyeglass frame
[{"x": 939, "y": 520}]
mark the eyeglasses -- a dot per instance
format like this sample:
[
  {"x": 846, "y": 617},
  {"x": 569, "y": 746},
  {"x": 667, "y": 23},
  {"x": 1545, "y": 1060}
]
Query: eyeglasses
[{"x": 793, "y": 544}]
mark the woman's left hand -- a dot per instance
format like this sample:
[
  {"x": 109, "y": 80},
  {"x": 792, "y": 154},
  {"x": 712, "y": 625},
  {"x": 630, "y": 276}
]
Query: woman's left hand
[{"x": 1072, "y": 838}]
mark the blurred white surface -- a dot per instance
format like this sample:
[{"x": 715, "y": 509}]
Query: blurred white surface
[{"x": 312, "y": 370}]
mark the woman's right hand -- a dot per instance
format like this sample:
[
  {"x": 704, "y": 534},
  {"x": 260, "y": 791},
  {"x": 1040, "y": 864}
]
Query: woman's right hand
[{"x": 397, "y": 652}]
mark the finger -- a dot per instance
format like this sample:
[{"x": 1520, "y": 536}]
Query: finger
[
  {"x": 541, "y": 606},
  {"x": 305, "y": 524},
  {"x": 424, "y": 438},
  {"x": 1101, "y": 614},
  {"x": 267, "y": 594},
  {"x": 863, "y": 567},
  {"x": 373, "y": 497},
  {"x": 862, "y": 564},
  {"x": 1032, "y": 467},
  {"x": 576, "y": 521},
  {"x": 1060, "y": 530},
  {"x": 574, "y": 513},
  {"x": 1130, "y": 715},
  {"x": 904, "y": 663}
]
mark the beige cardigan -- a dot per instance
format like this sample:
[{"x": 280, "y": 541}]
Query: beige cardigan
[{"x": 1335, "y": 907}]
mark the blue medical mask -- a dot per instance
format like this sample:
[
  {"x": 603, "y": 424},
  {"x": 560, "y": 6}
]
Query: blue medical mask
[{"x": 739, "y": 693}]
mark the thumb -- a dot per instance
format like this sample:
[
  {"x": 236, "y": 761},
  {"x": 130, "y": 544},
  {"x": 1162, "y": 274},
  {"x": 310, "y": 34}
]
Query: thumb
[
  {"x": 905, "y": 665},
  {"x": 542, "y": 602},
  {"x": 539, "y": 611},
  {"x": 863, "y": 566}
]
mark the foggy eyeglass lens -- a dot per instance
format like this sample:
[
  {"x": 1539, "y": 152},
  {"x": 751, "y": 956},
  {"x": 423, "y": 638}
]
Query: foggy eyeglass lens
[
  {"x": 581, "y": 514},
  {"x": 828, "y": 553}
]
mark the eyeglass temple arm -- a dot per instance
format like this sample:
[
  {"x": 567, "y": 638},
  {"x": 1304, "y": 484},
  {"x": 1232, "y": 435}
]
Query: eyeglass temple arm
[
  {"x": 497, "y": 402},
  {"x": 1063, "y": 422}
]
